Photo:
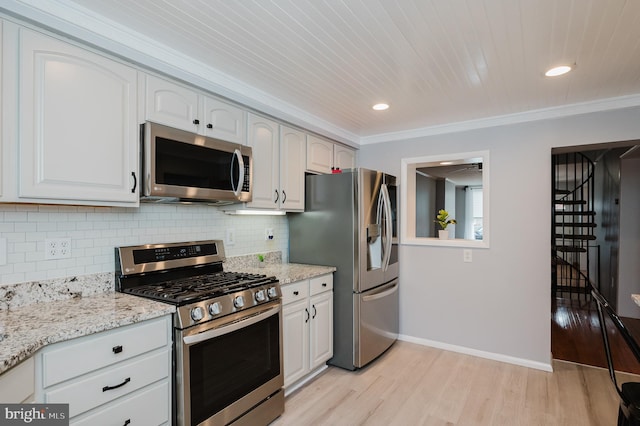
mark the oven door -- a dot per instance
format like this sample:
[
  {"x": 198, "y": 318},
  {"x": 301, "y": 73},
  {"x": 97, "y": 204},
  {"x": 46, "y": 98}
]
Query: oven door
[{"x": 228, "y": 366}]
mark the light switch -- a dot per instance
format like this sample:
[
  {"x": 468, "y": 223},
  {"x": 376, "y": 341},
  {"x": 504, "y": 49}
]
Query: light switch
[
  {"x": 231, "y": 237},
  {"x": 466, "y": 255}
]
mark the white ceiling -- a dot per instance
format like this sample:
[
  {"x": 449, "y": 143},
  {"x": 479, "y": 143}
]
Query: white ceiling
[{"x": 436, "y": 62}]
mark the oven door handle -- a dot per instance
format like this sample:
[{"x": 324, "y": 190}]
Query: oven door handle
[{"x": 231, "y": 327}]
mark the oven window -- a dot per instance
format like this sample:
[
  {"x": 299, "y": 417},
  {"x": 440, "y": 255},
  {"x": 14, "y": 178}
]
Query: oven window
[{"x": 224, "y": 369}]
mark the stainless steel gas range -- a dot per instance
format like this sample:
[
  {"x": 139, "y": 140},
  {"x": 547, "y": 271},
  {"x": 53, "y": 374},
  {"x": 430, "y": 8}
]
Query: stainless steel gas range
[{"x": 227, "y": 331}]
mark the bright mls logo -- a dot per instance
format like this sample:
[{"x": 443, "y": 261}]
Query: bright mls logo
[{"x": 34, "y": 414}]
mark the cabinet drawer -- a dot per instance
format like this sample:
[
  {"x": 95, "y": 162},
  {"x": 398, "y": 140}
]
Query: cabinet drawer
[
  {"x": 321, "y": 284},
  {"x": 150, "y": 406},
  {"x": 91, "y": 391},
  {"x": 74, "y": 358},
  {"x": 295, "y": 291}
]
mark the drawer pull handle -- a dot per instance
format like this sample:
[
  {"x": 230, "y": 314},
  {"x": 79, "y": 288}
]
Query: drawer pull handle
[
  {"x": 295, "y": 293},
  {"x": 127, "y": 422},
  {"x": 117, "y": 349},
  {"x": 106, "y": 388},
  {"x": 324, "y": 284}
]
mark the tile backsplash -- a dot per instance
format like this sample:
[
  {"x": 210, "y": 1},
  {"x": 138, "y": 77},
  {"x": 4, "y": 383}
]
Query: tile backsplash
[{"x": 95, "y": 231}]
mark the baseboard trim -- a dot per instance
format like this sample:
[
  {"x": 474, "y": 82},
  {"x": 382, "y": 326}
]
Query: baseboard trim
[
  {"x": 304, "y": 380},
  {"x": 481, "y": 354}
]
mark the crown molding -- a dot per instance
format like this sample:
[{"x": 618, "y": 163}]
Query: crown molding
[
  {"x": 504, "y": 120},
  {"x": 72, "y": 20},
  {"x": 78, "y": 23}
]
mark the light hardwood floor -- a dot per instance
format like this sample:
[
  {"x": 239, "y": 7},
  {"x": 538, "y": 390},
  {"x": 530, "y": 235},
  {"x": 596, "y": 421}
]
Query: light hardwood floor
[{"x": 416, "y": 385}]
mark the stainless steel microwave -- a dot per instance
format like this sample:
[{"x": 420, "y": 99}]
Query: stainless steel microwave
[{"x": 180, "y": 166}]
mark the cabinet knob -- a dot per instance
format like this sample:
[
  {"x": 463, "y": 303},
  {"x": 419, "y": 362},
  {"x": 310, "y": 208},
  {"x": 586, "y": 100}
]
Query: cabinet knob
[
  {"x": 295, "y": 293},
  {"x": 324, "y": 284},
  {"x": 209, "y": 126},
  {"x": 117, "y": 349},
  {"x": 196, "y": 121}
]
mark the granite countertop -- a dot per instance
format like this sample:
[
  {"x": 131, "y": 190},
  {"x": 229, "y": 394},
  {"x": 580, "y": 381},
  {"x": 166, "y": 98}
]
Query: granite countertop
[
  {"x": 37, "y": 314},
  {"x": 285, "y": 272},
  {"x": 25, "y": 329}
]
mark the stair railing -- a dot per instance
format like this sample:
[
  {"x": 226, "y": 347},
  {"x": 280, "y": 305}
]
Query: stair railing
[{"x": 573, "y": 220}]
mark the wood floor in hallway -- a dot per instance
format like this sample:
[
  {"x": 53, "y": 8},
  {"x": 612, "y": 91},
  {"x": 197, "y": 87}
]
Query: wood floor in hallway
[
  {"x": 416, "y": 385},
  {"x": 576, "y": 335}
]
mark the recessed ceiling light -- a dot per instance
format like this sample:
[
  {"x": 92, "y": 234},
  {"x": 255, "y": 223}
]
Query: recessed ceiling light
[
  {"x": 381, "y": 107},
  {"x": 556, "y": 71}
]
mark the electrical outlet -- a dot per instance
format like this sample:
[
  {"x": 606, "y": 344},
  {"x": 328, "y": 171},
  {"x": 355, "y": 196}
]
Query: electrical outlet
[
  {"x": 57, "y": 248},
  {"x": 466, "y": 255},
  {"x": 268, "y": 234},
  {"x": 231, "y": 237}
]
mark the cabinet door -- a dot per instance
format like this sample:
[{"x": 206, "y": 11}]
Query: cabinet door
[
  {"x": 18, "y": 384},
  {"x": 321, "y": 339},
  {"x": 319, "y": 155},
  {"x": 172, "y": 105},
  {"x": 295, "y": 341},
  {"x": 223, "y": 121},
  {"x": 77, "y": 123},
  {"x": 343, "y": 157},
  {"x": 263, "y": 140},
  {"x": 292, "y": 165}
]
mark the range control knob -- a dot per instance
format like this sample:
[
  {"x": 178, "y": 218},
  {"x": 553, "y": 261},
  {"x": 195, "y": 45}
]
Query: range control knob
[
  {"x": 197, "y": 313},
  {"x": 272, "y": 292},
  {"x": 260, "y": 296},
  {"x": 238, "y": 301},
  {"x": 214, "y": 308}
]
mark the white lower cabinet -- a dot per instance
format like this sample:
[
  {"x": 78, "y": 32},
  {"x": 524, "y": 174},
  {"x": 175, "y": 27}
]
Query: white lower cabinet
[
  {"x": 18, "y": 384},
  {"x": 113, "y": 377},
  {"x": 307, "y": 328}
]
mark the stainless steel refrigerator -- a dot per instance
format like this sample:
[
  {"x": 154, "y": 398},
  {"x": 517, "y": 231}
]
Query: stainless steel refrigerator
[{"x": 350, "y": 222}]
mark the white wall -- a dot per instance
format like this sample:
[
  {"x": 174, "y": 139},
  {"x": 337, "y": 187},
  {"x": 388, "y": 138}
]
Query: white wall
[
  {"x": 500, "y": 303},
  {"x": 95, "y": 231},
  {"x": 629, "y": 267}
]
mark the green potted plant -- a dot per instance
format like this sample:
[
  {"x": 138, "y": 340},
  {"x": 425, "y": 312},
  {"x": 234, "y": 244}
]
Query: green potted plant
[{"x": 444, "y": 220}]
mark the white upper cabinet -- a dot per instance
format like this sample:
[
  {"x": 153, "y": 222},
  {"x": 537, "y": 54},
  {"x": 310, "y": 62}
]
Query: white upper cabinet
[
  {"x": 319, "y": 155},
  {"x": 223, "y": 121},
  {"x": 292, "y": 162},
  {"x": 278, "y": 165},
  {"x": 264, "y": 139},
  {"x": 183, "y": 108},
  {"x": 323, "y": 156},
  {"x": 343, "y": 157},
  {"x": 171, "y": 104},
  {"x": 77, "y": 124}
]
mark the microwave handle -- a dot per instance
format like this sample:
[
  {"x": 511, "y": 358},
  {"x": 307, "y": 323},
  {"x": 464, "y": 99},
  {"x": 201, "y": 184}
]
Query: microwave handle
[{"x": 238, "y": 189}]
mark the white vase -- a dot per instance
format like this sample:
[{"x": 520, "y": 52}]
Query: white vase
[{"x": 443, "y": 235}]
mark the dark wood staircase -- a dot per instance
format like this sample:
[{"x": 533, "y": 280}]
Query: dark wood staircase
[{"x": 573, "y": 224}]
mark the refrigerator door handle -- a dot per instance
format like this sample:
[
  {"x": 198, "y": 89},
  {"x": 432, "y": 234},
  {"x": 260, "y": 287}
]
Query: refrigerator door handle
[
  {"x": 381, "y": 294},
  {"x": 387, "y": 227}
]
